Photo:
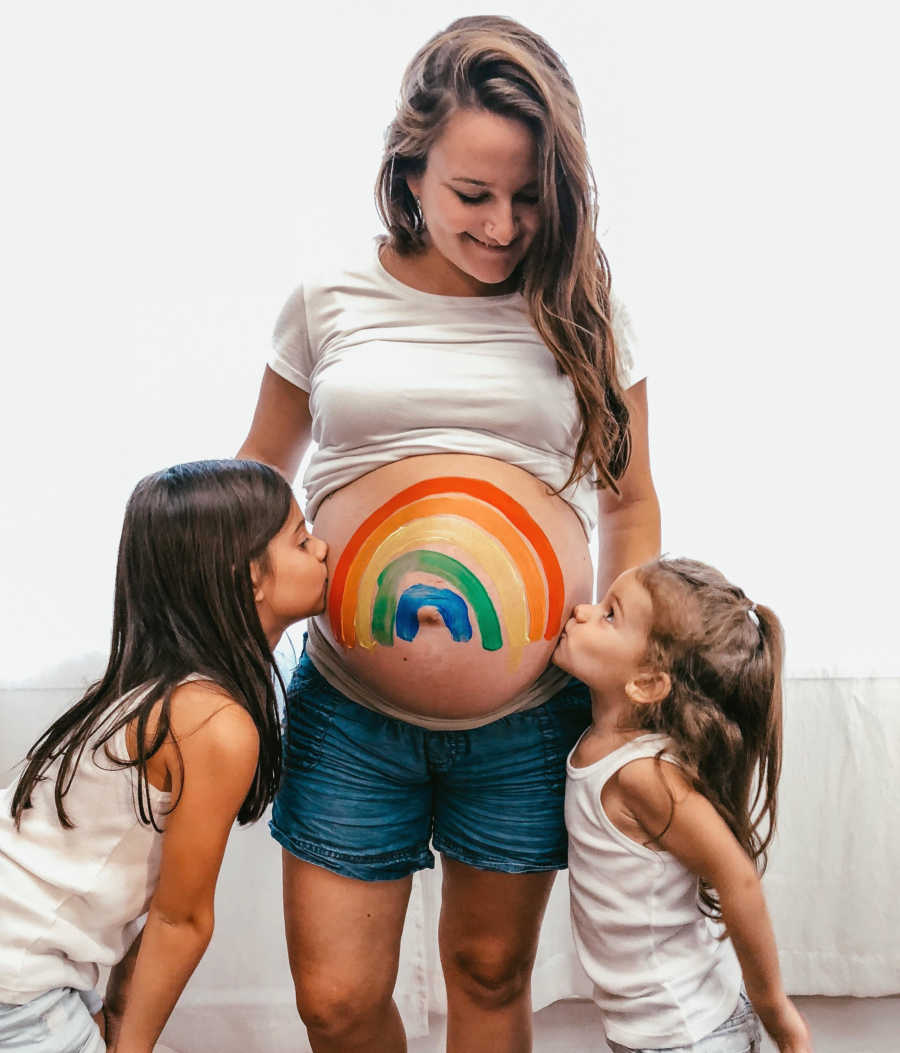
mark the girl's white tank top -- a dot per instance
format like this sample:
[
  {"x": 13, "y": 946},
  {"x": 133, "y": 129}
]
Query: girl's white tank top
[
  {"x": 73, "y": 900},
  {"x": 661, "y": 976}
]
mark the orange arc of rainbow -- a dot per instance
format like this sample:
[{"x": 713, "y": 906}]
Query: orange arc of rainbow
[
  {"x": 446, "y": 485},
  {"x": 482, "y": 515}
]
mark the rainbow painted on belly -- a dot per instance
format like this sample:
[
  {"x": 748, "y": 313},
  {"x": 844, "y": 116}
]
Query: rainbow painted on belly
[{"x": 369, "y": 604}]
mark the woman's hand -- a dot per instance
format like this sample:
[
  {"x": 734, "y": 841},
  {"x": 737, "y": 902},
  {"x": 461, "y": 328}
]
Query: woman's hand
[{"x": 787, "y": 1027}]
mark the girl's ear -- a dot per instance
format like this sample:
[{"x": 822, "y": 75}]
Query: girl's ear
[
  {"x": 415, "y": 184},
  {"x": 257, "y": 577},
  {"x": 647, "y": 688}
]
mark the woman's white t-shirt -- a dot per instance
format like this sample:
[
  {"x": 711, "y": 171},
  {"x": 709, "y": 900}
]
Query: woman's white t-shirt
[{"x": 393, "y": 372}]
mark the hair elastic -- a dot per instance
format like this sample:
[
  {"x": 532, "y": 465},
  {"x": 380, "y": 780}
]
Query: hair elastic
[{"x": 752, "y": 615}]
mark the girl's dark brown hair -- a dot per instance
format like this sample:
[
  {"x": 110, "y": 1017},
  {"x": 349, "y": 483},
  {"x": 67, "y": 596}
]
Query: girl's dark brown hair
[
  {"x": 724, "y": 657},
  {"x": 183, "y": 604},
  {"x": 495, "y": 64}
]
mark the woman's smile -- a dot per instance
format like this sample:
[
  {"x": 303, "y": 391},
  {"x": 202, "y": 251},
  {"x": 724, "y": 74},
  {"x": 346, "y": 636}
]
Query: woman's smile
[{"x": 496, "y": 249}]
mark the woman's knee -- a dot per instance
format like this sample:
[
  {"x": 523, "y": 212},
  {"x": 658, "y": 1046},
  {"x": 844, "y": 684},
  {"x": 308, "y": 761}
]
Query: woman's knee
[
  {"x": 335, "y": 1007},
  {"x": 490, "y": 974}
]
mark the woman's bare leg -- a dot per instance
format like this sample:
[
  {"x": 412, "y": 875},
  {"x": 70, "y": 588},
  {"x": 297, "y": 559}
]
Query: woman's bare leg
[
  {"x": 343, "y": 938},
  {"x": 488, "y": 939}
]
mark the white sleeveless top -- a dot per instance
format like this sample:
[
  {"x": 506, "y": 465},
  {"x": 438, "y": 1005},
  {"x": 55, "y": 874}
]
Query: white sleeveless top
[
  {"x": 72, "y": 900},
  {"x": 661, "y": 977}
]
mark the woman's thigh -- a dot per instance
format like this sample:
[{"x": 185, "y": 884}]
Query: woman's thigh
[
  {"x": 490, "y": 921},
  {"x": 343, "y": 936}
]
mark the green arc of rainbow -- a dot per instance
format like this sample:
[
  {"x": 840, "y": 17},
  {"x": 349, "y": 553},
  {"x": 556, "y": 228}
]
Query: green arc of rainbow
[{"x": 457, "y": 574}]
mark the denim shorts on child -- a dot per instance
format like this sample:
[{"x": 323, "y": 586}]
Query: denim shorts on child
[
  {"x": 363, "y": 794},
  {"x": 740, "y": 1033},
  {"x": 58, "y": 1021}
]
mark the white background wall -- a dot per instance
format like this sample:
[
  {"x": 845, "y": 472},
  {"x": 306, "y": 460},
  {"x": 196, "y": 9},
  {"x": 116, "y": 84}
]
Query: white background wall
[{"x": 170, "y": 169}]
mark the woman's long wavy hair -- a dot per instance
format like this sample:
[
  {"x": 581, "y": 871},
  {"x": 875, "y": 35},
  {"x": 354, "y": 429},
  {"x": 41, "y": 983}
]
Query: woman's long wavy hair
[
  {"x": 183, "y": 605},
  {"x": 495, "y": 64},
  {"x": 724, "y": 657}
]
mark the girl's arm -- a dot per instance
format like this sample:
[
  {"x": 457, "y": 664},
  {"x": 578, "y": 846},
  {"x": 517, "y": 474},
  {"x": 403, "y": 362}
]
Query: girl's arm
[
  {"x": 281, "y": 425},
  {"x": 629, "y": 525},
  {"x": 700, "y": 839},
  {"x": 219, "y": 748}
]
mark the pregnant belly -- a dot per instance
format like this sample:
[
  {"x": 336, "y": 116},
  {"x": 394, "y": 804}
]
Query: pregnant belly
[{"x": 450, "y": 578}]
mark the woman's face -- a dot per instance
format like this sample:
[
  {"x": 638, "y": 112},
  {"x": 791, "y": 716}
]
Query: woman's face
[{"x": 479, "y": 195}]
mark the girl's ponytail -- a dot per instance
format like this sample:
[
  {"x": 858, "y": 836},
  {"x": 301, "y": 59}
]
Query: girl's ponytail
[
  {"x": 724, "y": 657},
  {"x": 762, "y": 690}
]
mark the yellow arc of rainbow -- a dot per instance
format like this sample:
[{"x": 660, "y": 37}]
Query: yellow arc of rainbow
[
  {"x": 490, "y": 520},
  {"x": 474, "y": 539}
]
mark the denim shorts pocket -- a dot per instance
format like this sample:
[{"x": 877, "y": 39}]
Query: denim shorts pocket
[
  {"x": 554, "y": 768},
  {"x": 562, "y": 719},
  {"x": 310, "y": 714}
]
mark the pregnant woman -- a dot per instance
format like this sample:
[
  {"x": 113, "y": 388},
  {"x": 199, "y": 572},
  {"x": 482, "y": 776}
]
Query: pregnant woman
[{"x": 476, "y": 406}]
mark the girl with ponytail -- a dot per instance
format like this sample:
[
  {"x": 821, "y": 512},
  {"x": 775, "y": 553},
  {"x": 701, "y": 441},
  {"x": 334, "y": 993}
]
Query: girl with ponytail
[{"x": 682, "y": 669}]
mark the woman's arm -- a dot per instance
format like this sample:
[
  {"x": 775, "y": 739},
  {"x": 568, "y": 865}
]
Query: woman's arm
[
  {"x": 219, "y": 747},
  {"x": 629, "y": 525},
  {"x": 700, "y": 839},
  {"x": 280, "y": 431}
]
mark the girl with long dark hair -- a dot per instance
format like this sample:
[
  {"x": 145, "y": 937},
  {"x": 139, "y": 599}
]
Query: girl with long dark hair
[
  {"x": 126, "y": 802},
  {"x": 670, "y": 807}
]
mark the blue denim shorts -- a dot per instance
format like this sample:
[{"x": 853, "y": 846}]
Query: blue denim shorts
[
  {"x": 363, "y": 794},
  {"x": 740, "y": 1033}
]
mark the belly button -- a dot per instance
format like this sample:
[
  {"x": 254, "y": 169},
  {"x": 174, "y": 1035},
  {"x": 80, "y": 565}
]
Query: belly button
[{"x": 429, "y": 616}]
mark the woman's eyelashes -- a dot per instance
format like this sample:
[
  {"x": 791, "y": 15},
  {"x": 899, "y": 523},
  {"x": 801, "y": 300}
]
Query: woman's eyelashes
[{"x": 526, "y": 199}]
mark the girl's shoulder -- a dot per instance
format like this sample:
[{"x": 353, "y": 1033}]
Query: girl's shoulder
[
  {"x": 654, "y": 790},
  {"x": 208, "y": 729},
  {"x": 653, "y": 778},
  {"x": 203, "y": 713}
]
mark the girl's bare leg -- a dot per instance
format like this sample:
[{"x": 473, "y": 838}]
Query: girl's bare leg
[
  {"x": 488, "y": 939},
  {"x": 343, "y": 938}
]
